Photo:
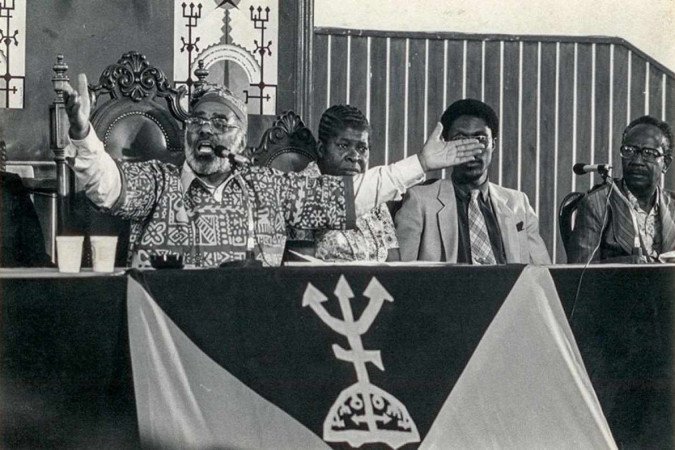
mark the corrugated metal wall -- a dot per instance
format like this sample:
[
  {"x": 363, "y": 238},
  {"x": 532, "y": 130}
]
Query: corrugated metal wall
[{"x": 560, "y": 100}]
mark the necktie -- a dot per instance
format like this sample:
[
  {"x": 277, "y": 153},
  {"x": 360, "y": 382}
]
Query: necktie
[{"x": 481, "y": 249}]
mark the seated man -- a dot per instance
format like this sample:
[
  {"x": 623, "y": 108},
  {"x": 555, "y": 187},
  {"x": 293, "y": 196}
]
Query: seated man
[
  {"x": 468, "y": 219},
  {"x": 22, "y": 243},
  {"x": 214, "y": 209},
  {"x": 631, "y": 218},
  {"x": 343, "y": 150}
]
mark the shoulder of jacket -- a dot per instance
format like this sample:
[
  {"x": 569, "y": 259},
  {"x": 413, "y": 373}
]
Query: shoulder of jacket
[{"x": 426, "y": 186}]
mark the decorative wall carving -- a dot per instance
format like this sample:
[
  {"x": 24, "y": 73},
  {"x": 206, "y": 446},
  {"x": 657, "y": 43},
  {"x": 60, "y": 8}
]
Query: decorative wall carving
[
  {"x": 12, "y": 53},
  {"x": 238, "y": 41}
]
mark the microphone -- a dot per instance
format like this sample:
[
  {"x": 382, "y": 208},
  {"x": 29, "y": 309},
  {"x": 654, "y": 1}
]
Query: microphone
[
  {"x": 581, "y": 168},
  {"x": 221, "y": 151}
]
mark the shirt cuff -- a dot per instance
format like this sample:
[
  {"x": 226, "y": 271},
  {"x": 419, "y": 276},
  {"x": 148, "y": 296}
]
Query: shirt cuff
[{"x": 90, "y": 144}]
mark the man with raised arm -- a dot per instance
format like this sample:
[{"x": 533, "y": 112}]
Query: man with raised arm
[{"x": 214, "y": 209}]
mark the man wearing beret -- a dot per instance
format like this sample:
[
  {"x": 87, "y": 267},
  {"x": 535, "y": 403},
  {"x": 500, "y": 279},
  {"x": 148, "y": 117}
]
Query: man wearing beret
[{"x": 214, "y": 209}]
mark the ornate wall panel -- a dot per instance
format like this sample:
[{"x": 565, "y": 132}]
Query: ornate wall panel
[
  {"x": 238, "y": 41},
  {"x": 12, "y": 53}
]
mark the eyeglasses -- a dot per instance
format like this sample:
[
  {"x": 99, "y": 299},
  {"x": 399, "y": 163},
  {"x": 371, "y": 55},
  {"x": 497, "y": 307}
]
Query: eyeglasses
[
  {"x": 648, "y": 153},
  {"x": 484, "y": 140},
  {"x": 217, "y": 123}
]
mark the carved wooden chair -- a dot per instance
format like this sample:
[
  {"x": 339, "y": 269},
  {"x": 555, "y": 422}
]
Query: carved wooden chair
[
  {"x": 566, "y": 213},
  {"x": 287, "y": 146},
  {"x": 141, "y": 119},
  {"x": 3, "y": 155}
]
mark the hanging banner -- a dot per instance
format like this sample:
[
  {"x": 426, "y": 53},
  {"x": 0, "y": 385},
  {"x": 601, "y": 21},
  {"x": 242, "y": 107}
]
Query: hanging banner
[{"x": 237, "y": 40}]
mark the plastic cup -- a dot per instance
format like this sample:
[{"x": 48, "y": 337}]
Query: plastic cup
[
  {"x": 103, "y": 253},
  {"x": 69, "y": 253}
]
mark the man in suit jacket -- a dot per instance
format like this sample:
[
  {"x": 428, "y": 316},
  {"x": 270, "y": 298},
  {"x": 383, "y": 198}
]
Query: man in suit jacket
[
  {"x": 468, "y": 219},
  {"x": 632, "y": 218}
]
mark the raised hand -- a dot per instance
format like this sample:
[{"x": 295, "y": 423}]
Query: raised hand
[
  {"x": 439, "y": 154},
  {"x": 78, "y": 107}
]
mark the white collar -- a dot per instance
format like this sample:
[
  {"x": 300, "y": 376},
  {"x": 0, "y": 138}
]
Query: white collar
[{"x": 187, "y": 176}]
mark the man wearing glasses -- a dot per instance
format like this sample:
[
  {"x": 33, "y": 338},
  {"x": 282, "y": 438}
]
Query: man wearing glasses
[
  {"x": 633, "y": 216},
  {"x": 467, "y": 219},
  {"x": 215, "y": 208}
]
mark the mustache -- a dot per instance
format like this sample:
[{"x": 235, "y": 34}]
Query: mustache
[{"x": 637, "y": 168}]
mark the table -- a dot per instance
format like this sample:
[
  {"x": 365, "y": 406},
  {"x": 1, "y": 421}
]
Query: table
[{"x": 66, "y": 371}]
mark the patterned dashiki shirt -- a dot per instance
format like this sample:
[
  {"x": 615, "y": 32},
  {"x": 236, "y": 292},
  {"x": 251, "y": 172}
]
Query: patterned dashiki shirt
[
  {"x": 649, "y": 224},
  {"x": 371, "y": 240},
  {"x": 168, "y": 219}
]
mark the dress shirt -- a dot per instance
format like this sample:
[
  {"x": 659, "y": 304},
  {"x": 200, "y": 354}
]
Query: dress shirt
[{"x": 649, "y": 223}]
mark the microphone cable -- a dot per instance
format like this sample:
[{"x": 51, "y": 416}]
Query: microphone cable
[{"x": 602, "y": 230}]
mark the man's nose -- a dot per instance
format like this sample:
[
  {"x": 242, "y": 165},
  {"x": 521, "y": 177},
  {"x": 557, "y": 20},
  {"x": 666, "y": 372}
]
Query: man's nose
[
  {"x": 353, "y": 155},
  {"x": 206, "y": 129},
  {"x": 638, "y": 156}
]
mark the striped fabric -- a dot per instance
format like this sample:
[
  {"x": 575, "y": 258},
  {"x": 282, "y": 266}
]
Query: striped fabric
[{"x": 603, "y": 220}]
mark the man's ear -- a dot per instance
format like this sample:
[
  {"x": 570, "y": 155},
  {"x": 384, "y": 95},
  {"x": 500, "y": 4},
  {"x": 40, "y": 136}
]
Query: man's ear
[
  {"x": 667, "y": 160},
  {"x": 320, "y": 150},
  {"x": 244, "y": 141}
]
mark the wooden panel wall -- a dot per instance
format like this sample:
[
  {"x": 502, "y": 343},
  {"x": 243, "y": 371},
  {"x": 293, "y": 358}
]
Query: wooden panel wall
[{"x": 560, "y": 100}]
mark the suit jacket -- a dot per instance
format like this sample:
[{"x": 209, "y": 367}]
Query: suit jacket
[
  {"x": 21, "y": 240},
  {"x": 617, "y": 237},
  {"x": 426, "y": 224}
]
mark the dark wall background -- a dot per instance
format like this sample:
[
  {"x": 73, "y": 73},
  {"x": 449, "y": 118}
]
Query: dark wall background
[{"x": 91, "y": 35}]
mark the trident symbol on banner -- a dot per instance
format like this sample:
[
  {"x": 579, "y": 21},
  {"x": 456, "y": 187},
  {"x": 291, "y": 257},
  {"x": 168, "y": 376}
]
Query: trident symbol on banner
[{"x": 363, "y": 413}]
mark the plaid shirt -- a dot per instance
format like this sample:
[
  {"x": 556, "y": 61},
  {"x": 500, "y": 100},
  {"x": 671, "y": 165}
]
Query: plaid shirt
[{"x": 207, "y": 229}]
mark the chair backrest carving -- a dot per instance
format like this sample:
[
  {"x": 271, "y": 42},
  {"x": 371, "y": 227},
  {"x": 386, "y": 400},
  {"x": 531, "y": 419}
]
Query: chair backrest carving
[
  {"x": 133, "y": 124},
  {"x": 287, "y": 146}
]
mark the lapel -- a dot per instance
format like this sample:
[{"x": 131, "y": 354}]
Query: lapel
[
  {"x": 507, "y": 224},
  {"x": 667, "y": 213},
  {"x": 622, "y": 221},
  {"x": 447, "y": 219}
]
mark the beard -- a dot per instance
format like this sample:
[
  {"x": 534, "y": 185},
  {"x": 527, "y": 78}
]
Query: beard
[
  {"x": 206, "y": 164},
  {"x": 209, "y": 163}
]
